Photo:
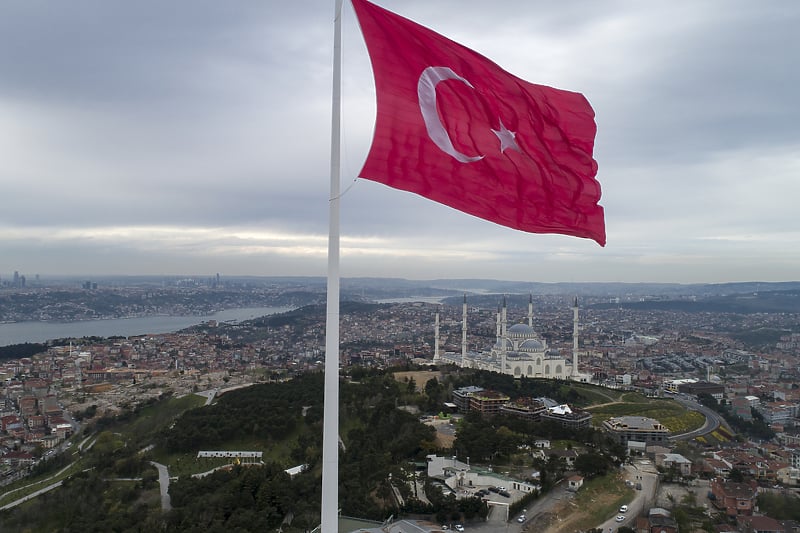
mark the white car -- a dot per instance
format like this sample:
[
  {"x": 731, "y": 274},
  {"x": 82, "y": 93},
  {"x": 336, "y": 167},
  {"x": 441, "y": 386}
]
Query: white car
[
  {"x": 459, "y": 527},
  {"x": 620, "y": 518},
  {"x": 521, "y": 518},
  {"x": 623, "y": 509}
]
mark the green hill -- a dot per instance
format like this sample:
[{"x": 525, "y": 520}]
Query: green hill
[
  {"x": 115, "y": 487},
  {"x": 110, "y": 483}
]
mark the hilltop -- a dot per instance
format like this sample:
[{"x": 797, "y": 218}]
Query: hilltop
[{"x": 109, "y": 482}]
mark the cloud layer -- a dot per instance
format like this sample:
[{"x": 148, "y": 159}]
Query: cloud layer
[{"x": 194, "y": 137}]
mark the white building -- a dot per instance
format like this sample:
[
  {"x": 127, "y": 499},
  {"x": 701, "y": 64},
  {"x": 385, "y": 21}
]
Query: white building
[{"x": 673, "y": 384}]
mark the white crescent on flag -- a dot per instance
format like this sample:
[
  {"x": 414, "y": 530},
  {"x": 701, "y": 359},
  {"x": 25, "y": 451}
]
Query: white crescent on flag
[{"x": 426, "y": 92}]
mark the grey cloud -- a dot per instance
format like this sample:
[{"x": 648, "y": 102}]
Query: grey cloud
[{"x": 205, "y": 114}]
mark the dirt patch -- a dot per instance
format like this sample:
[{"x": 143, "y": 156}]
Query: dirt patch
[
  {"x": 671, "y": 494},
  {"x": 444, "y": 433},
  {"x": 569, "y": 516},
  {"x": 420, "y": 377},
  {"x": 445, "y": 441},
  {"x": 582, "y": 510}
]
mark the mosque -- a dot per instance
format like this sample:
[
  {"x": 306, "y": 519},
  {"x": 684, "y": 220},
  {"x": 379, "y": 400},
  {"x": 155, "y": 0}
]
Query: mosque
[{"x": 518, "y": 350}]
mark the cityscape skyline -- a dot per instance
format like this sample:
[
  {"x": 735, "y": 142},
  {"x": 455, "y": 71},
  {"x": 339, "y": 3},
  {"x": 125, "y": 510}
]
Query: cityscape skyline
[{"x": 195, "y": 138}]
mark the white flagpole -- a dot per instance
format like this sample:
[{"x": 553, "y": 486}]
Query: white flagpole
[{"x": 330, "y": 434}]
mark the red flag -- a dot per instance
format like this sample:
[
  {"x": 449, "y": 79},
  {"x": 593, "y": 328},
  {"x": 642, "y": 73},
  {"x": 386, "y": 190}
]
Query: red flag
[{"x": 454, "y": 127}]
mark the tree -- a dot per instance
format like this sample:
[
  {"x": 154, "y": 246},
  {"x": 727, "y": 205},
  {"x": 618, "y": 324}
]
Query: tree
[
  {"x": 507, "y": 441},
  {"x": 736, "y": 475},
  {"x": 435, "y": 394},
  {"x": 592, "y": 464}
]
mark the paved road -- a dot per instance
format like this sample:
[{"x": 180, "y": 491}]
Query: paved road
[
  {"x": 34, "y": 494},
  {"x": 713, "y": 419},
  {"x": 163, "y": 482},
  {"x": 31, "y": 495},
  {"x": 545, "y": 505},
  {"x": 495, "y": 524},
  {"x": 643, "y": 472}
]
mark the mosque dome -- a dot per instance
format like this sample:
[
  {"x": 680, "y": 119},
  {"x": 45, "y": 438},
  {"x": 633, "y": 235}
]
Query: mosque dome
[
  {"x": 532, "y": 345},
  {"x": 521, "y": 330}
]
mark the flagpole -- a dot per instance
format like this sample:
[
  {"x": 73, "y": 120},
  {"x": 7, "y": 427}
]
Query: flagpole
[{"x": 330, "y": 432}]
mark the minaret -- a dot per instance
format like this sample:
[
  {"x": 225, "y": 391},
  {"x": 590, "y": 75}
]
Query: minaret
[
  {"x": 505, "y": 316},
  {"x": 498, "y": 326},
  {"x": 575, "y": 337},
  {"x": 504, "y": 346},
  {"x": 464, "y": 331},
  {"x": 436, "y": 356},
  {"x": 530, "y": 310}
]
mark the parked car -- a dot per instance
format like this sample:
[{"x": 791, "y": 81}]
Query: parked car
[
  {"x": 521, "y": 518},
  {"x": 623, "y": 509},
  {"x": 620, "y": 518},
  {"x": 459, "y": 527}
]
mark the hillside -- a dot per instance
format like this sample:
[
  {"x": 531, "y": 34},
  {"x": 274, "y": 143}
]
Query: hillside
[
  {"x": 110, "y": 482},
  {"x": 112, "y": 486}
]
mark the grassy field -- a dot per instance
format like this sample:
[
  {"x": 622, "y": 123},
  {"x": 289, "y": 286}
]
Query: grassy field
[
  {"x": 151, "y": 418},
  {"x": 598, "y": 500},
  {"x": 29, "y": 485},
  {"x": 670, "y": 413},
  {"x": 596, "y": 394},
  {"x": 420, "y": 377}
]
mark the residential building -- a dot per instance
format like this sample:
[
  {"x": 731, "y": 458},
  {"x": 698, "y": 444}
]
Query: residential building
[
  {"x": 674, "y": 460},
  {"x": 736, "y": 499},
  {"x": 461, "y": 397},
  {"x": 625, "y": 429},
  {"x": 488, "y": 402},
  {"x": 568, "y": 417}
]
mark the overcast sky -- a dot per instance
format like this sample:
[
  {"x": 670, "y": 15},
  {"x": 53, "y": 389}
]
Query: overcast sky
[{"x": 193, "y": 137}]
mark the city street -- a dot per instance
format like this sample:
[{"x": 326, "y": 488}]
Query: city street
[{"x": 641, "y": 472}]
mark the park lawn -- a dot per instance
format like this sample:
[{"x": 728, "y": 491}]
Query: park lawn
[
  {"x": 594, "y": 394},
  {"x": 634, "y": 397},
  {"x": 641, "y": 407},
  {"x": 184, "y": 464},
  {"x": 29, "y": 485},
  {"x": 684, "y": 422},
  {"x": 670, "y": 413},
  {"x": 152, "y": 418}
]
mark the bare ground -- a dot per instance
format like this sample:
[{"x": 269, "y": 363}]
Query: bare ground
[{"x": 420, "y": 377}]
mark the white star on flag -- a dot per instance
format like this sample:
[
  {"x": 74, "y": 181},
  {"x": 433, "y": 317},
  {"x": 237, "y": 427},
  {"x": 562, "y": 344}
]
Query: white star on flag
[{"x": 507, "y": 139}]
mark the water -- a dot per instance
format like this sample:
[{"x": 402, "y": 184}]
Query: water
[
  {"x": 21, "y": 332},
  {"x": 413, "y": 299}
]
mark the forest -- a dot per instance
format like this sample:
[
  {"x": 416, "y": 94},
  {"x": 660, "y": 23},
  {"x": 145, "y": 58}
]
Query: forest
[{"x": 114, "y": 486}]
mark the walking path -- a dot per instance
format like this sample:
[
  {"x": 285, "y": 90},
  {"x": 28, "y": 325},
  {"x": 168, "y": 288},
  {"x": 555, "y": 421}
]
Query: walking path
[
  {"x": 40, "y": 491},
  {"x": 31, "y": 495},
  {"x": 163, "y": 482}
]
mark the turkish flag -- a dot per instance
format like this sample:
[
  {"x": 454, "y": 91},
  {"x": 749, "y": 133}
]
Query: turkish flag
[{"x": 454, "y": 127}]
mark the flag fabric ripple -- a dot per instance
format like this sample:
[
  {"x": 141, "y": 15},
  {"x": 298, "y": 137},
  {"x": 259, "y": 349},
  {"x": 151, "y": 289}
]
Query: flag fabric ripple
[{"x": 454, "y": 127}]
